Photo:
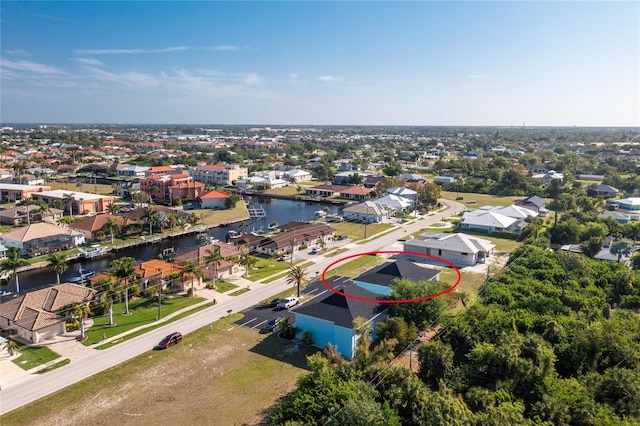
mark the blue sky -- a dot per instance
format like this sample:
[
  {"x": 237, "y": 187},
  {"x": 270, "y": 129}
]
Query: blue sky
[{"x": 367, "y": 63}]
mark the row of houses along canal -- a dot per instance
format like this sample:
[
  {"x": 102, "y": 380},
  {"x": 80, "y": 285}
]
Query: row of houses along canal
[{"x": 275, "y": 210}]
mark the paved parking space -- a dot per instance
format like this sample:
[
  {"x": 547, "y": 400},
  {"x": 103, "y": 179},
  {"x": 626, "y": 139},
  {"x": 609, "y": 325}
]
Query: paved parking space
[{"x": 257, "y": 316}]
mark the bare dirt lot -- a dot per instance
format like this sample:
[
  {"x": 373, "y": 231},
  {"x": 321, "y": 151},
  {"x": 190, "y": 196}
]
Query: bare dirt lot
[{"x": 225, "y": 376}]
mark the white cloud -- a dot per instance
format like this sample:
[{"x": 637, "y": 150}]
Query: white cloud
[
  {"x": 327, "y": 78},
  {"x": 31, "y": 67},
  {"x": 225, "y": 48},
  {"x": 19, "y": 52},
  {"x": 252, "y": 79},
  {"x": 89, "y": 61},
  {"x": 477, "y": 76},
  {"x": 129, "y": 51},
  {"x": 128, "y": 78},
  {"x": 293, "y": 77}
]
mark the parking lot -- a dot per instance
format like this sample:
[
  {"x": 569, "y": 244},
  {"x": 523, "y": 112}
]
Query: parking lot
[{"x": 257, "y": 316}]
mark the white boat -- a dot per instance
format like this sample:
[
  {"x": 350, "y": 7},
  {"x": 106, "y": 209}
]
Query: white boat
[
  {"x": 81, "y": 276},
  {"x": 320, "y": 213},
  {"x": 95, "y": 251}
]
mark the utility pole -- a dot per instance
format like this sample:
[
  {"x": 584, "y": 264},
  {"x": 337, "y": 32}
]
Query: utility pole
[
  {"x": 159, "y": 291},
  {"x": 293, "y": 244}
]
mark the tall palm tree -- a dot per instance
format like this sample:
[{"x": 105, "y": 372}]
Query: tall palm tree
[
  {"x": 26, "y": 203},
  {"x": 150, "y": 216},
  {"x": 112, "y": 227},
  {"x": 81, "y": 311},
  {"x": 124, "y": 271},
  {"x": 244, "y": 226},
  {"x": 194, "y": 271},
  {"x": 12, "y": 263},
  {"x": 11, "y": 346},
  {"x": 113, "y": 208},
  {"x": 58, "y": 263},
  {"x": 43, "y": 210},
  {"x": 247, "y": 261},
  {"x": 108, "y": 292},
  {"x": 298, "y": 276},
  {"x": 213, "y": 258},
  {"x": 68, "y": 200}
]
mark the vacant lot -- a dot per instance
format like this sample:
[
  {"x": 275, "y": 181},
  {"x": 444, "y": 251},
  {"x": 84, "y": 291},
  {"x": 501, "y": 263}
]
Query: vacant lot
[
  {"x": 225, "y": 376},
  {"x": 482, "y": 199}
]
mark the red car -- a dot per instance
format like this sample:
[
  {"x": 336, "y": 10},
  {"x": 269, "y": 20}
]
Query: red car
[{"x": 170, "y": 340}]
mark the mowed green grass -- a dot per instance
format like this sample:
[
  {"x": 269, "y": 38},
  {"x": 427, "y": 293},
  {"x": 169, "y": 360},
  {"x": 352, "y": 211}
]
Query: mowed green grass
[
  {"x": 355, "y": 231},
  {"x": 33, "y": 356},
  {"x": 85, "y": 187},
  {"x": 481, "y": 199},
  {"x": 143, "y": 312},
  {"x": 215, "y": 217},
  {"x": 236, "y": 374}
]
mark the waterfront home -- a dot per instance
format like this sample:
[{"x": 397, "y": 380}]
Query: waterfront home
[
  {"x": 297, "y": 174},
  {"x": 219, "y": 174},
  {"x": 403, "y": 192},
  {"x": 358, "y": 193},
  {"x": 42, "y": 238},
  {"x": 459, "y": 249},
  {"x": 368, "y": 212},
  {"x": 330, "y": 317},
  {"x": 82, "y": 203},
  {"x": 295, "y": 235},
  {"x": 169, "y": 187},
  {"x": 34, "y": 315},
  {"x": 325, "y": 190},
  {"x": 95, "y": 226},
  {"x": 214, "y": 199},
  {"x": 395, "y": 202}
]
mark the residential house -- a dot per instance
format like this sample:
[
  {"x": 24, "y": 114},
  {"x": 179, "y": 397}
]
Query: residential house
[
  {"x": 219, "y": 174},
  {"x": 295, "y": 236},
  {"x": 379, "y": 279},
  {"x": 395, "y": 202},
  {"x": 156, "y": 272},
  {"x": 358, "y": 193},
  {"x": 330, "y": 316},
  {"x": 83, "y": 202},
  {"x": 549, "y": 177},
  {"x": 228, "y": 265},
  {"x": 11, "y": 192},
  {"x": 631, "y": 204},
  {"x": 298, "y": 175},
  {"x": 599, "y": 189},
  {"x": 459, "y": 249},
  {"x": 42, "y": 238},
  {"x": 443, "y": 179},
  {"x": 94, "y": 227},
  {"x": 131, "y": 170},
  {"x": 169, "y": 187},
  {"x": 344, "y": 178},
  {"x": 260, "y": 183},
  {"x": 18, "y": 215},
  {"x": 368, "y": 212},
  {"x": 497, "y": 219},
  {"x": 34, "y": 315},
  {"x": 214, "y": 199},
  {"x": 325, "y": 190},
  {"x": 534, "y": 203}
]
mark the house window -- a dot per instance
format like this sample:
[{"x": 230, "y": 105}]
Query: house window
[
  {"x": 440, "y": 252},
  {"x": 465, "y": 254}
]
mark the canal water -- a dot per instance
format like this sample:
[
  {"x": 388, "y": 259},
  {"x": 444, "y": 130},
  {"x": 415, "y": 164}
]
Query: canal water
[{"x": 281, "y": 211}]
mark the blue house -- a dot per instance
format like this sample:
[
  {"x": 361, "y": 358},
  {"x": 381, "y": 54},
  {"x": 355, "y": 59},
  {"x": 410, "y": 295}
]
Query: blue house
[{"x": 329, "y": 317}]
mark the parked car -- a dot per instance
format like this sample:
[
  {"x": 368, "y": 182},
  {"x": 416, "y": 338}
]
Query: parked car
[
  {"x": 460, "y": 198},
  {"x": 342, "y": 237},
  {"x": 272, "y": 326},
  {"x": 471, "y": 202},
  {"x": 285, "y": 257},
  {"x": 274, "y": 303},
  {"x": 288, "y": 302},
  {"x": 316, "y": 250},
  {"x": 170, "y": 340}
]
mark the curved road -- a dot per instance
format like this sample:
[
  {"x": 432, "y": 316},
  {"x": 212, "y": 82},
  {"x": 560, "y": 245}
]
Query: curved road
[{"x": 37, "y": 386}]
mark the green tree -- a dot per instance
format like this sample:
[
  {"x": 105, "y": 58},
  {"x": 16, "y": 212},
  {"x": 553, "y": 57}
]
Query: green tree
[
  {"x": 68, "y": 200},
  {"x": 213, "y": 258},
  {"x": 58, "y": 264},
  {"x": 298, "y": 276},
  {"x": 81, "y": 311},
  {"x": 392, "y": 168},
  {"x": 436, "y": 362},
  {"x": 124, "y": 270},
  {"x": 150, "y": 216},
  {"x": 112, "y": 227},
  {"x": 194, "y": 271},
  {"x": 11, "y": 346},
  {"x": 423, "y": 313},
  {"x": 108, "y": 293},
  {"x": 621, "y": 248},
  {"x": 12, "y": 263}
]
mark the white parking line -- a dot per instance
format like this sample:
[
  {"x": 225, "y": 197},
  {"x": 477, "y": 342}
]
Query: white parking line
[
  {"x": 259, "y": 324},
  {"x": 313, "y": 291},
  {"x": 244, "y": 324}
]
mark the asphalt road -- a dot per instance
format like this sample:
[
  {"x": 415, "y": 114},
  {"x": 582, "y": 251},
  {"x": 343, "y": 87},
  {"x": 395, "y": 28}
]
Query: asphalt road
[{"x": 37, "y": 386}]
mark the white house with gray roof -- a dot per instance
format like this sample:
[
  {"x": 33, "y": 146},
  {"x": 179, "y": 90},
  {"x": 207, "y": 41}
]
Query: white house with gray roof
[{"x": 459, "y": 249}]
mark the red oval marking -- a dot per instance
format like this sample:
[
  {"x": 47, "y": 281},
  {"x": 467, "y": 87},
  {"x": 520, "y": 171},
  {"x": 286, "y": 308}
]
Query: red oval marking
[{"x": 390, "y": 301}]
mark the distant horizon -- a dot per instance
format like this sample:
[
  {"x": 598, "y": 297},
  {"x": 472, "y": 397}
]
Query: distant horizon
[{"x": 493, "y": 63}]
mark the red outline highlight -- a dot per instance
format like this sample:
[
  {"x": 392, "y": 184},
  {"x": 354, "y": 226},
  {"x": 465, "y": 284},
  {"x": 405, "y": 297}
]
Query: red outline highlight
[{"x": 375, "y": 253}]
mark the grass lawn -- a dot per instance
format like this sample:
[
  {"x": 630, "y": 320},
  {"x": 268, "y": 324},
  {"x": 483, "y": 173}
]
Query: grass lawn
[
  {"x": 266, "y": 267},
  {"x": 288, "y": 191},
  {"x": 336, "y": 252},
  {"x": 236, "y": 374},
  {"x": 85, "y": 187},
  {"x": 355, "y": 231},
  {"x": 33, "y": 356},
  {"x": 143, "y": 311},
  {"x": 355, "y": 267},
  {"x": 38, "y": 259},
  {"x": 54, "y": 366},
  {"x": 215, "y": 217},
  {"x": 239, "y": 292},
  {"x": 224, "y": 286},
  {"x": 481, "y": 199}
]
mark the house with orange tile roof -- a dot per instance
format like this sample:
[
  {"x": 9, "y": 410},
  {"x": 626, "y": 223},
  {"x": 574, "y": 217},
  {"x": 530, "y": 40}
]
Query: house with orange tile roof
[
  {"x": 35, "y": 316},
  {"x": 228, "y": 265},
  {"x": 359, "y": 193},
  {"x": 165, "y": 274},
  {"x": 214, "y": 199}
]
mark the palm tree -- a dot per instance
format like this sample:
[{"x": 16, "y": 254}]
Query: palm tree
[
  {"x": 26, "y": 203},
  {"x": 58, "y": 263},
  {"x": 247, "y": 261},
  {"x": 150, "y": 216},
  {"x": 244, "y": 226},
  {"x": 81, "y": 311},
  {"x": 192, "y": 269},
  {"x": 213, "y": 258},
  {"x": 112, "y": 227},
  {"x": 108, "y": 293},
  {"x": 44, "y": 208},
  {"x": 298, "y": 276},
  {"x": 124, "y": 270},
  {"x": 68, "y": 200},
  {"x": 113, "y": 208},
  {"x": 11, "y": 346},
  {"x": 12, "y": 263}
]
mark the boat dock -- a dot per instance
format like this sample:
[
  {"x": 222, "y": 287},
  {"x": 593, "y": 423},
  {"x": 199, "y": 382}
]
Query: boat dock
[{"x": 256, "y": 212}]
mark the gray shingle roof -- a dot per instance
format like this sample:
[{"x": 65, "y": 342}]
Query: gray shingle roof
[{"x": 386, "y": 273}]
